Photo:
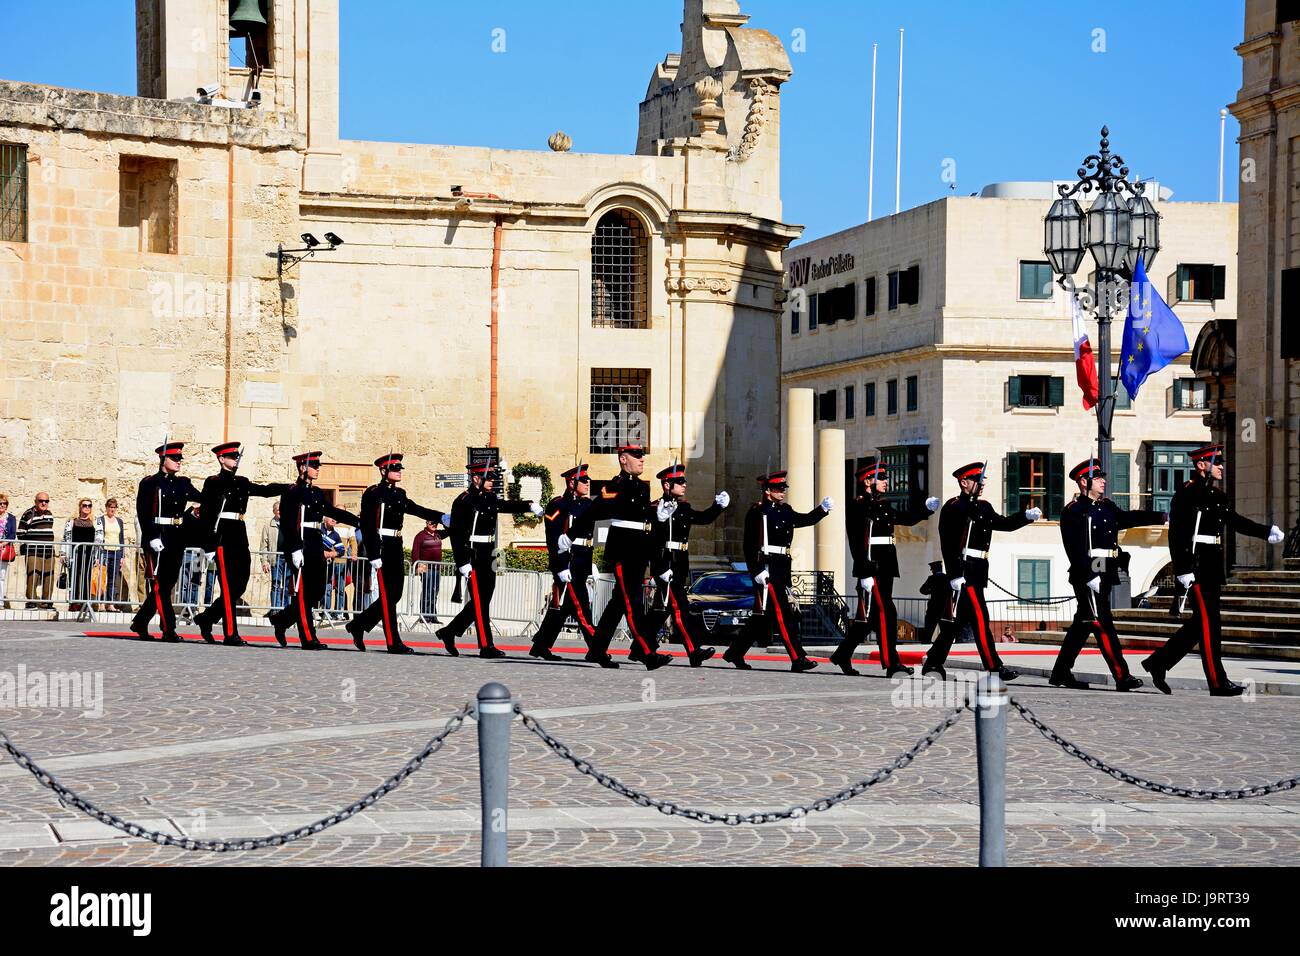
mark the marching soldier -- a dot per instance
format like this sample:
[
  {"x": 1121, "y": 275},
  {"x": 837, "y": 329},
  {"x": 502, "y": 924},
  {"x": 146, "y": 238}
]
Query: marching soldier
[
  {"x": 571, "y": 567},
  {"x": 225, "y": 539},
  {"x": 769, "y": 530},
  {"x": 160, "y": 508},
  {"x": 870, "y": 525},
  {"x": 473, "y": 540},
  {"x": 1090, "y": 527},
  {"x": 966, "y": 526},
  {"x": 625, "y": 500},
  {"x": 302, "y": 506},
  {"x": 671, "y": 562},
  {"x": 1198, "y": 515},
  {"x": 383, "y": 508}
]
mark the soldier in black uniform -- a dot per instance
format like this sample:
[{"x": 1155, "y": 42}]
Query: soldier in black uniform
[
  {"x": 302, "y": 505},
  {"x": 1198, "y": 516},
  {"x": 936, "y": 587},
  {"x": 383, "y": 507},
  {"x": 870, "y": 524},
  {"x": 966, "y": 526},
  {"x": 225, "y": 539},
  {"x": 473, "y": 542},
  {"x": 1090, "y": 527},
  {"x": 569, "y": 560},
  {"x": 625, "y": 501},
  {"x": 160, "y": 509},
  {"x": 670, "y": 564},
  {"x": 769, "y": 530}
]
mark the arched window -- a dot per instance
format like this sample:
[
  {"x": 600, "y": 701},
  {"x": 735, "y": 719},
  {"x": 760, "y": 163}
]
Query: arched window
[{"x": 619, "y": 256}]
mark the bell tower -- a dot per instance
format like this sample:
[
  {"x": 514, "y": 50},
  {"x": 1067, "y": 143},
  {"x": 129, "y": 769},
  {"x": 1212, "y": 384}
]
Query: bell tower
[{"x": 287, "y": 49}]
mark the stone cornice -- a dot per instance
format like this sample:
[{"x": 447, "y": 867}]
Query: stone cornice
[
  {"x": 942, "y": 351},
  {"x": 740, "y": 227}
]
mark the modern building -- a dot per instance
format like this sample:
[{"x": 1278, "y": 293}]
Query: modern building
[
  {"x": 1264, "y": 380},
  {"x": 937, "y": 336},
  {"x": 552, "y": 303}
]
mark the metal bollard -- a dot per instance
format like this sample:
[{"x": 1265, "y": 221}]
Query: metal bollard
[
  {"x": 495, "y": 714},
  {"x": 991, "y": 749}
]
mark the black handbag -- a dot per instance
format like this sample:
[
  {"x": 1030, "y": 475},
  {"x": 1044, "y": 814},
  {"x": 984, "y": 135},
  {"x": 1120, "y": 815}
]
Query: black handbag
[{"x": 63, "y": 580}]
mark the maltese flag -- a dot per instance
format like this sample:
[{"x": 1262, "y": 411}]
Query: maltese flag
[{"x": 1085, "y": 366}]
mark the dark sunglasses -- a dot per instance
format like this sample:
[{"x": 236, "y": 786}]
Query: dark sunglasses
[
  {"x": 782, "y": 487},
  {"x": 678, "y": 481},
  {"x": 42, "y": 501},
  {"x": 635, "y": 454}
]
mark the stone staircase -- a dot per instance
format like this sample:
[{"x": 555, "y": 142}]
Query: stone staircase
[{"x": 1260, "y": 610}]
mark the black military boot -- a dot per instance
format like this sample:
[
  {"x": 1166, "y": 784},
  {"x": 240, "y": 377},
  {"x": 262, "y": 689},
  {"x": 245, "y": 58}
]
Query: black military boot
[
  {"x": 1157, "y": 676},
  {"x": 234, "y": 640},
  {"x": 701, "y": 655},
  {"x": 1008, "y": 674},
  {"x": 601, "y": 658},
  {"x": 802, "y": 664},
  {"x": 843, "y": 658},
  {"x": 1067, "y": 680},
  {"x": 448, "y": 641},
  {"x": 400, "y": 648},
  {"x": 899, "y": 670},
  {"x": 205, "y": 628},
  {"x": 358, "y": 635},
  {"x": 543, "y": 653},
  {"x": 1229, "y": 689},
  {"x": 1128, "y": 682}
]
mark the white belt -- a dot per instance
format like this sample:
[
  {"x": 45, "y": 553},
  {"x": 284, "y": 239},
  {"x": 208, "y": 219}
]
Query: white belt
[
  {"x": 167, "y": 520},
  {"x": 1103, "y": 553},
  {"x": 389, "y": 533},
  {"x": 773, "y": 549},
  {"x": 230, "y": 516},
  {"x": 675, "y": 545},
  {"x": 1205, "y": 538},
  {"x": 630, "y": 525},
  {"x": 311, "y": 524},
  {"x": 887, "y": 539},
  {"x": 481, "y": 539},
  {"x": 971, "y": 553},
  {"x": 580, "y": 542}
]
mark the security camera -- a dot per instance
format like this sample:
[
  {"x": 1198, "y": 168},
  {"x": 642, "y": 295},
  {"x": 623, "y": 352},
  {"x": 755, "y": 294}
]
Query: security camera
[
  {"x": 309, "y": 240},
  {"x": 207, "y": 92},
  {"x": 1269, "y": 421},
  {"x": 457, "y": 190},
  {"x": 333, "y": 240},
  {"x": 255, "y": 98},
  {"x": 464, "y": 204}
]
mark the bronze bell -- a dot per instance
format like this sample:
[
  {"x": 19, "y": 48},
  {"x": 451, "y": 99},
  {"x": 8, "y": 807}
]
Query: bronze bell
[{"x": 246, "y": 16}]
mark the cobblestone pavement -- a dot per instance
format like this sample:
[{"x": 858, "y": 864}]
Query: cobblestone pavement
[{"x": 216, "y": 741}]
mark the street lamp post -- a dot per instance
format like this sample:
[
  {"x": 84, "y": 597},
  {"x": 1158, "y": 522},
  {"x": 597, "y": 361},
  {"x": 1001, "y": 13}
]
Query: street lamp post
[{"x": 1120, "y": 226}]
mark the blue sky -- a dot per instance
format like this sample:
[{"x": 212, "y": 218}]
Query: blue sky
[{"x": 1006, "y": 89}]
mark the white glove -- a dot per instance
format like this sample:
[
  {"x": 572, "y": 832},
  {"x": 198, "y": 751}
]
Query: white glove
[
  {"x": 536, "y": 509},
  {"x": 827, "y": 504},
  {"x": 761, "y": 578},
  {"x": 956, "y": 583},
  {"x": 1275, "y": 535},
  {"x": 1095, "y": 585},
  {"x": 565, "y": 543},
  {"x": 1186, "y": 580},
  {"x": 565, "y": 575},
  {"x": 377, "y": 563},
  {"x": 665, "y": 509},
  {"x": 156, "y": 544},
  {"x": 1033, "y": 514},
  {"x": 465, "y": 569},
  {"x": 932, "y": 504},
  {"x": 866, "y": 583},
  {"x": 722, "y": 499},
  {"x": 296, "y": 558},
  {"x": 446, "y": 520},
  {"x": 667, "y": 576}
]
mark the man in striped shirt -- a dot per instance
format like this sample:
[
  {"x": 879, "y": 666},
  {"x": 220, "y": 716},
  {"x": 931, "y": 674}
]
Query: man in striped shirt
[{"x": 36, "y": 532}]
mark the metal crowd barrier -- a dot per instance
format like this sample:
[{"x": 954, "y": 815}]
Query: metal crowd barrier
[{"x": 98, "y": 583}]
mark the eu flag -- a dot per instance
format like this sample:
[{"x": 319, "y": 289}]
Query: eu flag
[{"x": 1153, "y": 336}]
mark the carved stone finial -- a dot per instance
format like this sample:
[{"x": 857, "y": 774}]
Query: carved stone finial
[
  {"x": 707, "y": 90},
  {"x": 560, "y": 141}
]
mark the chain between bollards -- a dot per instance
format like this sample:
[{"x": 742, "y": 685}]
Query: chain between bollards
[{"x": 495, "y": 713}]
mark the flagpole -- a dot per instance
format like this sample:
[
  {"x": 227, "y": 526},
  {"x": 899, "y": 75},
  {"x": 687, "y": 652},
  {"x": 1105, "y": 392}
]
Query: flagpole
[{"x": 871, "y": 161}]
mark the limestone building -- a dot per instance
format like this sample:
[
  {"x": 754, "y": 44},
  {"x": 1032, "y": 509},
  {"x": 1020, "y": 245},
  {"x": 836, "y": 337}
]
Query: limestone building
[
  {"x": 551, "y": 303},
  {"x": 1266, "y": 339},
  {"x": 937, "y": 337}
]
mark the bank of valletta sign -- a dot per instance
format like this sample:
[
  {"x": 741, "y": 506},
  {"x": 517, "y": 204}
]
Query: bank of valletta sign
[{"x": 805, "y": 270}]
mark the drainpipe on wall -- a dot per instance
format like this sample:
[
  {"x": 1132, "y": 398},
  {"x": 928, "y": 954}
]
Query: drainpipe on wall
[{"x": 498, "y": 228}]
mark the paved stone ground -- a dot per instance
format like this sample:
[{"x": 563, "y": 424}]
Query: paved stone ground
[{"x": 216, "y": 741}]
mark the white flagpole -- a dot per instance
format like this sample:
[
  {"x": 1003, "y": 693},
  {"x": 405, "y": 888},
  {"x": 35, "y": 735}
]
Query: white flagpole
[
  {"x": 871, "y": 162},
  {"x": 1223, "y": 121},
  {"x": 898, "y": 154}
]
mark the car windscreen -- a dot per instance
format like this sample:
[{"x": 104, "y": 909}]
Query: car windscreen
[{"x": 723, "y": 584}]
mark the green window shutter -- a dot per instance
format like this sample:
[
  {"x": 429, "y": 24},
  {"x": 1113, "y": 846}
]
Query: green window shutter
[
  {"x": 1219, "y": 287},
  {"x": 1013, "y": 391},
  {"x": 1056, "y": 391},
  {"x": 1174, "y": 286},
  {"x": 1011, "y": 482},
  {"x": 1055, "y": 486},
  {"x": 1119, "y": 478}
]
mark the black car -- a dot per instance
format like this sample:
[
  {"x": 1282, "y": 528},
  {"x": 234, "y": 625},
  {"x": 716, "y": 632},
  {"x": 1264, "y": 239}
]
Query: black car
[{"x": 725, "y": 599}]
